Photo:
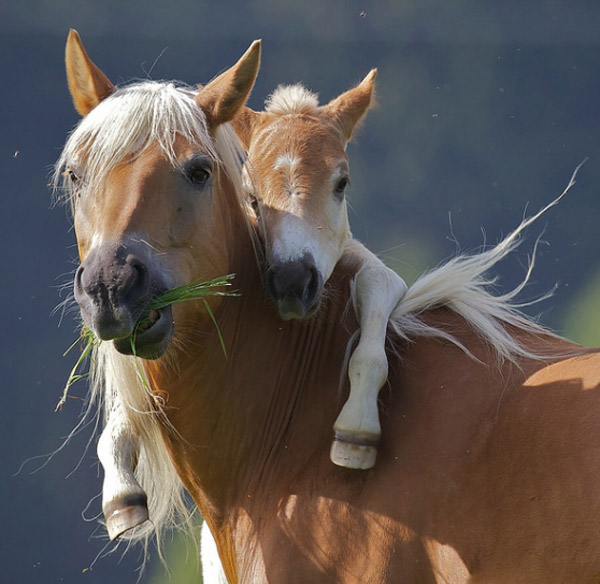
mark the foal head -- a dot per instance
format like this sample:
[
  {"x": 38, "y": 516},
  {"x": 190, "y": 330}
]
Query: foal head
[
  {"x": 295, "y": 177},
  {"x": 145, "y": 172}
]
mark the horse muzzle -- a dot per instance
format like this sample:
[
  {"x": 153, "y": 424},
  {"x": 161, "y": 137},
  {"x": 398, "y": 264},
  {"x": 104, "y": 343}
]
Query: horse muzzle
[
  {"x": 296, "y": 287},
  {"x": 113, "y": 287}
]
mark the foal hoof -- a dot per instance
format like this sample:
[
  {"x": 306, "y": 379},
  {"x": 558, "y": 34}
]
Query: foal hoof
[
  {"x": 124, "y": 514},
  {"x": 351, "y": 453}
]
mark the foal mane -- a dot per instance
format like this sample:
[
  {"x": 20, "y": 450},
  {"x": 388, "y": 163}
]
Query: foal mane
[{"x": 292, "y": 99}]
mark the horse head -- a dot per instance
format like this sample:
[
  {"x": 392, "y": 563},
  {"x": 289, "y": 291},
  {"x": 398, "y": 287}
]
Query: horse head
[
  {"x": 295, "y": 177},
  {"x": 141, "y": 171}
]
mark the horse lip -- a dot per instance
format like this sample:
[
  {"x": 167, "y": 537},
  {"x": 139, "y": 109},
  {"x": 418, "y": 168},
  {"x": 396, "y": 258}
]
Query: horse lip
[{"x": 152, "y": 342}]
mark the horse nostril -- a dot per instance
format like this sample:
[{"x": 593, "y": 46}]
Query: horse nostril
[
  {"x": 140, "y": 270},
  {"x": 85, "y": 285},
  {"x": 79, "y": 278},
  {"x": 137, "y": 265},
  {"x": 135, "y": 282}
]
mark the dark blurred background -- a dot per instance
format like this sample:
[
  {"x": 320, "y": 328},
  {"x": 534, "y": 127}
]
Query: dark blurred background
[{"x": 484, "y": 110}]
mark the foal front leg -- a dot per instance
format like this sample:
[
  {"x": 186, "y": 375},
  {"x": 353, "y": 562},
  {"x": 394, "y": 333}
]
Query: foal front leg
[
  {"x": 124, "y": 502},
  {"x": 357, "y": 429}
]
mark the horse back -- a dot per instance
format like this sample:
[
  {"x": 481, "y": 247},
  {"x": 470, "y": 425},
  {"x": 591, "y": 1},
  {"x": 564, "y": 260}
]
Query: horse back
[
  {"x": 486, "y": 472},
  {"x": 492, "y": 467}
]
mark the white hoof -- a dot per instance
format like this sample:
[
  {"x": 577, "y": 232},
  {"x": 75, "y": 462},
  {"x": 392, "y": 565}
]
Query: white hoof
[
  {"x": 352, "y": 454},
  {"x": 125, "y": 514}
]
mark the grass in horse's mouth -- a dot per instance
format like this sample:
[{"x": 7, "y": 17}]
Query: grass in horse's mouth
[
  {"x": 196, "y": 290},
  {"x": 149, "y": 319}
]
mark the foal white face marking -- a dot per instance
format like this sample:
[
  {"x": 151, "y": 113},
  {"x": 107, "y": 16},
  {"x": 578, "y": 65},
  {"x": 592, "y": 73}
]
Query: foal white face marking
[
  {"x": 286, "y": 161},
  {"x": 286, "y": 165},
  {"x": 296, "y": 234}
]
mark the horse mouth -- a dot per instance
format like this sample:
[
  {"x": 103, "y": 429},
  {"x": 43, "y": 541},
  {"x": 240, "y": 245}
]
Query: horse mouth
[
  {"x": 147, "y": 322},
  {"x": 151, "y": 335}
]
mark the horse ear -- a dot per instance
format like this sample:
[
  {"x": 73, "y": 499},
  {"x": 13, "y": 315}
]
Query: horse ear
[
  {"x": 87, "y": 84},
  {"x": 244, "y": 124},
  {"x": 349, "y": 108},
  {"x": 225, "y": 96}
]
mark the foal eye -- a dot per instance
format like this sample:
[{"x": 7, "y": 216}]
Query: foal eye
[
  {"x": 253, "y": 202},
  {"x": 340, "y": 187},
  {"x": 198, "y": 174}
]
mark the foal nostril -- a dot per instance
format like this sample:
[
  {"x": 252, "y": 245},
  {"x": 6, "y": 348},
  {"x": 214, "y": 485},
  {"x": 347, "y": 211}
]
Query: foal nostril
[
  {"x": 295, "y": 286},
  {"x": 312, "y": 286},
  {"x": 271, "y": 288}
]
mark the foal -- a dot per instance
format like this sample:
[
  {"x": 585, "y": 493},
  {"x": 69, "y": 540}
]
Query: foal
[{"x": 296, "y": 176}]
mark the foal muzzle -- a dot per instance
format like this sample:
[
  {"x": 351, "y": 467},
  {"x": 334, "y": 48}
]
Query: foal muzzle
[{"x": 296, "y": 287}]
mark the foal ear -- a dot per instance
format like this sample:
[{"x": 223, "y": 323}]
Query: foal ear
[
  {"x": 225, "y": 95},
  {"x": 87, "y": 84},
  {"x": 244, "y": 124},
  {"x": 349, "y": 108}
]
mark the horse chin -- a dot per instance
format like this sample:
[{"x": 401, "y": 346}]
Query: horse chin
[{"x": 152, "y": 342}]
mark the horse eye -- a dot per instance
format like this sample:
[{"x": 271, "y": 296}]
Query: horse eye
[
  {"x": 340, "y": 187},
  {"x": 72, "y": 176},
  {"x": 198, "y": 174}
]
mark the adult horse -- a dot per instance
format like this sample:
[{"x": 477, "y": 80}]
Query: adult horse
[{"x": 487, "y": 467}]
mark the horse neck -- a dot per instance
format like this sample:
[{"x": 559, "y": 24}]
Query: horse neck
[{"x": 245, "y": 421}]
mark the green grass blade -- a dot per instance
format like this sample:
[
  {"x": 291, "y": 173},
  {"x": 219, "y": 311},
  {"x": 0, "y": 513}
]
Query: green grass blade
[
  {"x": 89, "y": 342},
  {"x": 196, "y": 290},
  {"x": 212, "y": 317},
  {"x": 193, "y": 291}
]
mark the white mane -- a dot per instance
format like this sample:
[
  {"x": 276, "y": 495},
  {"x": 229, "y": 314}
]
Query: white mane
[
  {"x": 124, "y": 125},
  {"x": 292, "y": 99},
  {"x": 130, "y": 120}
]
